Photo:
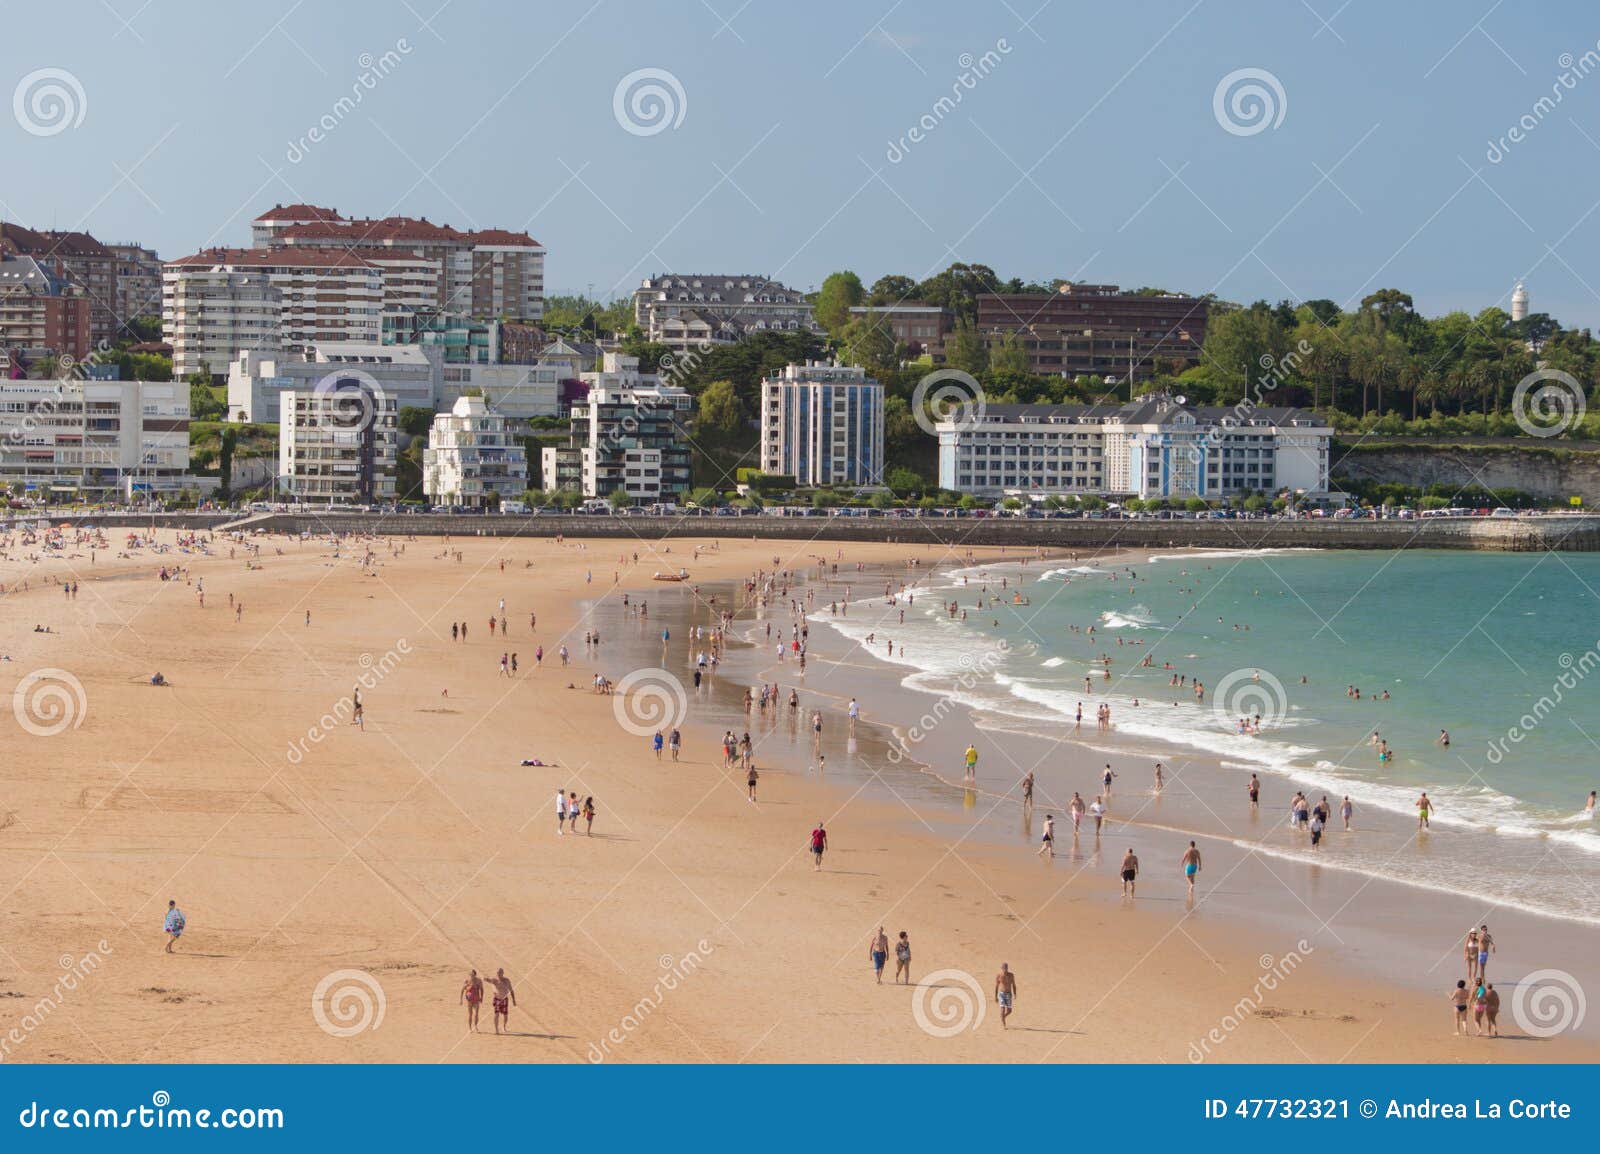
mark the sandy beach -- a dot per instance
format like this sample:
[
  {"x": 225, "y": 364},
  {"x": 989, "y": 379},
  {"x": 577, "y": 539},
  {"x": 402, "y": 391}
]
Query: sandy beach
[{"x": 339, "y": 881}]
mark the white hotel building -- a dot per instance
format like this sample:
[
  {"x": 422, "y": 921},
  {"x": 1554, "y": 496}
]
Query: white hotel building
[
  {"x": 94, "y": 439},
  {"x": 822, "y": 424},
  {"x": 1154, "y": 446},
  {"x": 470, "y": 454}
]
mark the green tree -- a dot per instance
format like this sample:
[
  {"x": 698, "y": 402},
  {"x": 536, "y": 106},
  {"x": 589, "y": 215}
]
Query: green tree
[
  {"x": 719, "y": 413},
  {"x": 964, "y": 349},
  {"x": 619, "y": 499},
  {"x": 866, "y": 340},
  {"x": 415, "y": 422},
  {"x": 903, "y": 482},
  {"x": 892, "y": 290},
  {"x": 840, "y": 292},
  {"x": 1008, "y": 356}
]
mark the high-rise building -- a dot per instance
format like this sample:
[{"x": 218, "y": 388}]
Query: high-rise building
[
  {"x": 94, "y": 439},
  {"x": 337, "y": 443},
  {"x": 470, "y": 454},
  {"x": 138, "y": 281},
  {"x": 78, "y": 259},
  {"x": 1097, "y": 330},
  {"x": 822, "y": 424},
  {"x": 628, "y": 435},
  {"x": 215, "y": 303},
  {"x": 695, "y": 311}
]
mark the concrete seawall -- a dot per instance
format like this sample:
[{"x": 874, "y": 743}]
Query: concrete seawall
[{"x": 1505, "y": 534}]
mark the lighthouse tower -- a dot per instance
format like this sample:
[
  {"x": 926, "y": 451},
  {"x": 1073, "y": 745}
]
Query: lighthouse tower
[{"x": 1519, "y": 302}]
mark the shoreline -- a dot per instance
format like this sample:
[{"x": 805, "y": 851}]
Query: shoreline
[{"x": 418, "y": 847}]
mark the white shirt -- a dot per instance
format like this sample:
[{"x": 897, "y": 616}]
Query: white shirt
[{"x": 561, "y": 802}]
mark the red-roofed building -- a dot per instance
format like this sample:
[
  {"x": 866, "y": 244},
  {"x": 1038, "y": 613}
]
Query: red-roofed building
[
  {"x": 220, "y": 302},
  {"x": 79, "y": 259},
  {"x": 485, "y": 273}
]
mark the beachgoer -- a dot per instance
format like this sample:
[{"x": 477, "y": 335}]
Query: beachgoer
[
  {"x": 174, "y": 924},
  {"x": 1459, "y": 997},
  {"x": 472, "y": 995},
  {"x": 1047, "y": 843},
  {"x": 1130, "y": 872},
  {"x": 1191, "y": 865},
  {"x": 879, "y": 952},
  {"x": 1424, "y": 807},
  {"x": 819, "y": 844},
  {"x": 902, "y": 958},
  {"x": 504, "y": 998},
  {"x": 1005, "y": 991}
]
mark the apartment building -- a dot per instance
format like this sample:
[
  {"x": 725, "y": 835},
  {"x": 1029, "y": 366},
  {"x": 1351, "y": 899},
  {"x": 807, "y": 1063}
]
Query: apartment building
[
  {"x": 78, "y": 259},
  {"x": 138, "y": 281},
  {"x": 471, "y": 453},
  {"x": 921, "y": 328},
  {"x": 94, "y": 440},
  {"x": 40, "y": 315},
  {"x": 477, "y": 272},
  {"x": 822, "y": 423},
  {"x": 311, "y": 295},
  {"x": 628, "y": 435},
  {"x": 338, "y": 442},
  {"x": 688, "y": 312},
  {"x": 1155, "y": 446},
  {"x": 404, "y": 374},
  {"x": 1097, "y": 330}
]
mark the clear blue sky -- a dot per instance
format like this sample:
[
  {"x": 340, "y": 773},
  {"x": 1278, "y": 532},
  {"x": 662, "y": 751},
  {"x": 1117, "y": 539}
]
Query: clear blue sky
[{"x": 1091, "y": 150}]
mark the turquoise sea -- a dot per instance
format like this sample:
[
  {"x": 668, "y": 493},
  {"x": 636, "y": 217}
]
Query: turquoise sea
[{"x": 1500, "y": 650}]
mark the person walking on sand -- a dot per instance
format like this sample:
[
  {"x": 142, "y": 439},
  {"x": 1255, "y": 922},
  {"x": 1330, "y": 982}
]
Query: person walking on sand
[
  {"x": 472, "y": 995},
  {"x": 173, "y": 926},
  {"x": 1047, "y": 843},
  {"x": 1469, "y": 952},
  {"x": 588, "y": 816},
  {"x": 855, "y": 712},
  {"x": 1424, "y": 808},
  {"x": 1459, "y": 997},
  {"x": 1191, "y": 865},
  {"x": 504, "y": 998},
  {"x": 819, "y": 845},
  {"x": 1027, "y": 792},
  {"x": 879, "y": 952},
  {"x": 656, "y": 743},
  {"x": 1005, "y": 992},
  {"x": 1485, "y": 948},
  {"x": 971, "y": 760},
  {"x": 561, "y": 813},
  {"x": 1491, "y": 1008},
  {"x": 1130, "y": 873},
  {"x": 902, "y": 960},
  {"x": 1254, "y": 789},
  {"x": 1346, "y": 811},
  {"x": 750, "y": 782}
]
